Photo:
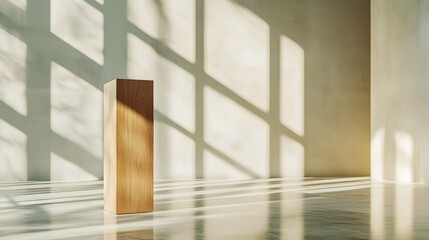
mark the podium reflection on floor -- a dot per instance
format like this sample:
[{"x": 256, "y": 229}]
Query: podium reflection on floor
[{"x": 307, "y": 208}]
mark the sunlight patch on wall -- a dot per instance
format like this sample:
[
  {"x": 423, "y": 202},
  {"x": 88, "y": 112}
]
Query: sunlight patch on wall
[
  {"x": 236, "y": 133},
  {"x": 76, "y": 111},
  {"x": 13, "y": 153},
  {"x": 291, "y": 157},
  {"x": 80, "y": 25},
  {"x": 292, "y": 85},
  {"x": 64, "y": 170},
  {"x": 13, "y": 55},
  {"x": 171, "y": 22},
  {"x": 377, "y": 154},
  {"x": 237, "y": 51},
  {"x": 174, "y": 153},
  {"x": 174, "y": 87},
  {"x": 404, "y": 157},
  {"x": 216, "y": 168}
]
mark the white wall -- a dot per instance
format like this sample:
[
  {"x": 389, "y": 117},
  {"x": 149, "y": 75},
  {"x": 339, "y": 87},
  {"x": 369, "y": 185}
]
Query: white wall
[
  {"x": 399, "y": 90},
  {"x": 242, "y": 88}
]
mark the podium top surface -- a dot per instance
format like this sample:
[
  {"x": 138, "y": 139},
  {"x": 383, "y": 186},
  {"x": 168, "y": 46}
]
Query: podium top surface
[{"x": 129, "y": 79}]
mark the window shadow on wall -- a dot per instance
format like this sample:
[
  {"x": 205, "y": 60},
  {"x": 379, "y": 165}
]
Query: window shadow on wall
[{"x": 247, "y": 110}]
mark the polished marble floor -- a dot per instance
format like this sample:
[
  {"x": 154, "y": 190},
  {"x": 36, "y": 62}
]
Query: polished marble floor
[{"x": 309, "y": 208}]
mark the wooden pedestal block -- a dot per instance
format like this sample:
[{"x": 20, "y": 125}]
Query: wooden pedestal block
[{"x": 128, "y": 146}]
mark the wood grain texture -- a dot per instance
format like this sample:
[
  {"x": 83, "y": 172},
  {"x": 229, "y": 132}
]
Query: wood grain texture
[{"x": 134, "y": 147}]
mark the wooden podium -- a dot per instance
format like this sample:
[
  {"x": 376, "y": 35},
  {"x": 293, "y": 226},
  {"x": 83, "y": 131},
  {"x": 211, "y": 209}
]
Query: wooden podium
[{"x": 128, "y": 146}]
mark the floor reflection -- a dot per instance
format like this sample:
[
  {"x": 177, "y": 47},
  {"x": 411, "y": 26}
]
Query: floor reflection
[
  {"x": 305, "y": 208},
  {"x": 116, "y": 227},
  {"x": 404, "y": 212}
]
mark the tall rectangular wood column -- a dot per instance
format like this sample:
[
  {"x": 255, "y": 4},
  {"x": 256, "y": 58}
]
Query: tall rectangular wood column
[{"x": 128, "y": 146}]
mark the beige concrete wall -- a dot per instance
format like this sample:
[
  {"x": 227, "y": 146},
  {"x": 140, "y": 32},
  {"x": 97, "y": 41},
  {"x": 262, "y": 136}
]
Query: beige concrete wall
[
  {"x": 330, "y": 134},
  {"x": 245, "y": 88},
  {"x": 337, "y": 89},
  {"x": 399, "y": 90}
]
